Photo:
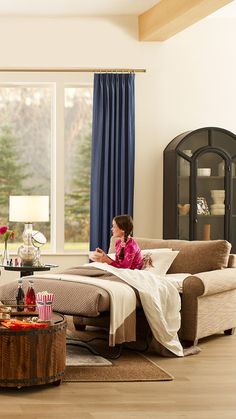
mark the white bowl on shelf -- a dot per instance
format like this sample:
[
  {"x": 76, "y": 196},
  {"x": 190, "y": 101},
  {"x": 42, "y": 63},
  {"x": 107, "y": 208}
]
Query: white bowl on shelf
[
  {"x": 204, "y": 171},
  {"x": 217, "y": 192},
  {"x": 218, "y": 206},
  {"x": 218, "y": 196},
  {"x": 216, "y": 210}
]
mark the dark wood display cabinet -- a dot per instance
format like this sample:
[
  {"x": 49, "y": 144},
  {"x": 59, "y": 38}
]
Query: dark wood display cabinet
[{"x": 200, "y": 186}]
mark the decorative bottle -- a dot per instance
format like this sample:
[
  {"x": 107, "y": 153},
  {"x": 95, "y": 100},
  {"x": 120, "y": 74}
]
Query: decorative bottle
[
  {"x": 20, "y": 297},
  {"x": 30, "y": 298}
]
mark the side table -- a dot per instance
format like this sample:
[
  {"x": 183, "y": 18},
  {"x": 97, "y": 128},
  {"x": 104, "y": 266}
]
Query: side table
[
  {"x": 28, "y": 270},
  {"x": 33, "y": 356}
]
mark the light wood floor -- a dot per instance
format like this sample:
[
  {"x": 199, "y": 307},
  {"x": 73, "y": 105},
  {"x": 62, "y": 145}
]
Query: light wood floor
[{"x": 204, "y": 387}]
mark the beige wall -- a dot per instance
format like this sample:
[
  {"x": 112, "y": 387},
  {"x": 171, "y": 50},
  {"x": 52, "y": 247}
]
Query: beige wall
[{"x": 190, "y": 82}]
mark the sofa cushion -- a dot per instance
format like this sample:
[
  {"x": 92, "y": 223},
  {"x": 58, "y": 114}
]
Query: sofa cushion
[
  {"x": 202, "y": 256},
  {"x": 194, "y": 256},
  {"x": 161, "y": 260},
  {"x": 232, "y": 261}
]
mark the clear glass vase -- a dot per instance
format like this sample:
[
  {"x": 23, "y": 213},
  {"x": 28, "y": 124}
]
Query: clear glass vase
[{"x": 5, "y": 255}]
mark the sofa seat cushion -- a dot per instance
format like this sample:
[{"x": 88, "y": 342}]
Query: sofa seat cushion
[{"x": 70, "y": 297}]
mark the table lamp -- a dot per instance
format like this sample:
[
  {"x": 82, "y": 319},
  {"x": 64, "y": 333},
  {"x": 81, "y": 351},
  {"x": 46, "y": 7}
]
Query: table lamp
[{"x": 28, "y": 209}]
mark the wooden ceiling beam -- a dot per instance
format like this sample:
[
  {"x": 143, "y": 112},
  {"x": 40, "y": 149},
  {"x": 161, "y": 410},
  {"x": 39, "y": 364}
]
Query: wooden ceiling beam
[{"x": 169, "y": 17}]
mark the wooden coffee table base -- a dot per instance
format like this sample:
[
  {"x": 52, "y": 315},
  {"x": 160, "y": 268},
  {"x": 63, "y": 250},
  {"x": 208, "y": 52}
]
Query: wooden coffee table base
[{"x": 33, "y": 356}]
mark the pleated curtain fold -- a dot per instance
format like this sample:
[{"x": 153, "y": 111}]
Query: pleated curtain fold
[{"x": 113, "y": 148}]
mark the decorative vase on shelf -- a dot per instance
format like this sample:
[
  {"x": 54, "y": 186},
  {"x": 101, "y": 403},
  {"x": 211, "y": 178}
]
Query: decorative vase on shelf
[{"x": 5, "y": 255}]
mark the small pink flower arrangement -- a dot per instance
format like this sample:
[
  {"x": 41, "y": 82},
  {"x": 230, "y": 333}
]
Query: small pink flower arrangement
[{"x": 6, "y": 233}]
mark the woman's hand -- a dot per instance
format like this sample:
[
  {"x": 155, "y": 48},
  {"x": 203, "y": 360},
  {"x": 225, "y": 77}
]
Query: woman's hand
[{"x": 102, "y": 257}]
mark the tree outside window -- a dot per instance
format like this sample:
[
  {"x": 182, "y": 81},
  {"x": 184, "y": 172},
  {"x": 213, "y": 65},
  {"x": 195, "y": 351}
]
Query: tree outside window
[{"x": 26, "y": 121}]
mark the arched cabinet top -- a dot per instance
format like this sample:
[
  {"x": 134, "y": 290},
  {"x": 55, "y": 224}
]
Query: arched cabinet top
[
  {"x": 199, "y": 200},
  {"x": 213, "y": 137}
]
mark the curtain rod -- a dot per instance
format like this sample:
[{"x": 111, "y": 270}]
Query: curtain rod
[{"x": 71, "y": 70}]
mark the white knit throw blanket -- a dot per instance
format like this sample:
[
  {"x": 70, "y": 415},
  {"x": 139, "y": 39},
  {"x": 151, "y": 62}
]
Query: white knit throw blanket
[{"x": 159, "y": 297}]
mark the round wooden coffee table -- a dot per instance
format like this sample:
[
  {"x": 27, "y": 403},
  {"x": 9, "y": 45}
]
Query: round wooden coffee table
[{"x": 33, "y": 356}]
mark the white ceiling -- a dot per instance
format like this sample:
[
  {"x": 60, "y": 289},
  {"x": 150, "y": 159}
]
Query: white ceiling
[
  {"x": 90, "y": 8},
  {"x": 74, "y": 7},
  {"x": 227, "y": 11}
]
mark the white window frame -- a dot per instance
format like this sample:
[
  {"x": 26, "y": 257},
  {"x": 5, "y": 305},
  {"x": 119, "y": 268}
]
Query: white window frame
[{"x": 59, "y": 81}]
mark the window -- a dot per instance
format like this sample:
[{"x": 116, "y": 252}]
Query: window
[
  {"x": 45, "y": 149},
  {"x": 25, "y": 147},
  {"x": 78, "y": 136}
]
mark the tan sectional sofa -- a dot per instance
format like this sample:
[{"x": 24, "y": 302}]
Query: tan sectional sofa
[
  {"x": 208, "y": 300},
  {"x": 209, "y": 293},
  {"x": 208, "y": 297}
]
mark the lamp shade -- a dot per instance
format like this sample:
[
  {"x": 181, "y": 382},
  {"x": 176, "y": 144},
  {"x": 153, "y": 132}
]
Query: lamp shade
[{"x": 28, "y": 209}]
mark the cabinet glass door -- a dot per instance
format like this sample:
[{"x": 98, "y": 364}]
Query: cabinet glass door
[
  {"x": 232, "y": 235},
  {"x": 183, "y": 199},
  {"x": 210, "y": 197}
]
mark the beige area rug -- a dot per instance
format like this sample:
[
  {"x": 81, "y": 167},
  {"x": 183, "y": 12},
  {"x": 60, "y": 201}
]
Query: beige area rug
[{"x": 130, "y": 366}]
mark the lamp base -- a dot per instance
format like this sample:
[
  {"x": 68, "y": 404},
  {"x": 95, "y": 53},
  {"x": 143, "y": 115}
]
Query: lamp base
[
  {"x": 27, "y": 252},
  {"x": 27, "y": 255}
]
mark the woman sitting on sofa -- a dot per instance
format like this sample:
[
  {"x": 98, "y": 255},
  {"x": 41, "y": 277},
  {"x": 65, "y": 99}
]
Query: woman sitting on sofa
[{"x": 127, "y": 251}]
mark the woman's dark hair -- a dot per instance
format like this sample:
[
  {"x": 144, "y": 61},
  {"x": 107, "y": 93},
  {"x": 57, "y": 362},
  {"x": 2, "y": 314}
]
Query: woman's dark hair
[{"x": 125, "y": 223}]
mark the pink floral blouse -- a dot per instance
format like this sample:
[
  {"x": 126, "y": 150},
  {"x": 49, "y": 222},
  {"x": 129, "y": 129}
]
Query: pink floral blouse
[{"x": 132, "y": 255}]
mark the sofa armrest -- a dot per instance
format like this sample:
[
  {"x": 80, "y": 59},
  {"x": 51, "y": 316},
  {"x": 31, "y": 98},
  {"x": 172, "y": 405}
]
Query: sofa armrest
[
  {"x": 194, "y": 288},
  {"x": 232, "y": 261},
  {"x": 212, "y": 282},
  {"x": 192, "y": 285}
]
